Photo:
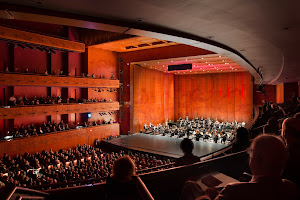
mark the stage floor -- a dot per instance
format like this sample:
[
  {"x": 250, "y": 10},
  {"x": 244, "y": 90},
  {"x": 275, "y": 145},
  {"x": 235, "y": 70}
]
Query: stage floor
[{"x": 164, "y": 145}]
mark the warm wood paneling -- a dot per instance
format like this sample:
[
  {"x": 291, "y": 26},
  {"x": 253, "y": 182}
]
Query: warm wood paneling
[
  {"x": 31, "y": 111},
  {"x": 38, "y": 39},
  {"x": 37, "y": 80},
  {"x": 59, "y": 140},
  {"x": 153, "y": 97},
  {"x": 225, "y": 96}
]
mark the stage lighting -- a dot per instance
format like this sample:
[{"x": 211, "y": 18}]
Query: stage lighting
[
  {"x": 52, "y": 51},
  {"x": 20, "y": 45},
  {"x": 40, "y": 48},
  {"x": 30, "y": 47},
  {"x": 260, "y": 88}
]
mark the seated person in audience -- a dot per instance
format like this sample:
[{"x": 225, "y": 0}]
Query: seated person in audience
[
  {"x": 44, "y": 126},
  {"x": 291, "y": 136},
  {"x": 271, "y": 127},
  {"x": 187, "y": 147},
  {"x": 26, "y": 134},
  {"x": 120, "y": 184},
  {"x": 297, "y": 115},
  {"x": 95, "y": 123},
  {"x": 268, "y": 157},
  {"x": 85, "y": 124},
  {"x": 67, "y": 127},
  {"x": 26, "y": 70},
  {"x": 34, "y": 133},
  {"x": 40, "y": 131},
  {"x": 242, "y": 140}
]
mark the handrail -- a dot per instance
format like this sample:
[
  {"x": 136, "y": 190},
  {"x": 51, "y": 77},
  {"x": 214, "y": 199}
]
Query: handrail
[
  {"x": 51, "y": 75},
  {"x": 26, "y": 106},
  {"x": 8, "y": 192},
  {"x": 142, "y": 188}
]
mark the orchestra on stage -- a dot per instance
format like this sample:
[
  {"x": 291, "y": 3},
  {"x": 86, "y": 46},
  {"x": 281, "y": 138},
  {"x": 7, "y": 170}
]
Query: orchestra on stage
[{"x": 207, "y": 130}]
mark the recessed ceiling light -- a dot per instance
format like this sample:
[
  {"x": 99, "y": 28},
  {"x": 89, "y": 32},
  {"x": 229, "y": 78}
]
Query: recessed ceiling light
[
  {"x": 203, "y": 70},
  {"x": 144, "y": 63},
  {"x": 235, "y": 69},
  {"x": 171, "y": 60},
  {"x": 207, "y": 71},
  {"x": 201, "y": 58},
  {"x": 217, "y": 69},
  {"x": 190, "y": 71},
  {"x": 186, "y": 59},
  {"x": 157, "y": 62},
  {"x": 221, "y": 70},
  {"x": 220, "y": 56}
]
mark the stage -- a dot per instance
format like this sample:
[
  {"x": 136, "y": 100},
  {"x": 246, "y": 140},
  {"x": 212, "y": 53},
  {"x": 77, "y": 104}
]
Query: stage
[{"x": 164, "y": 145}]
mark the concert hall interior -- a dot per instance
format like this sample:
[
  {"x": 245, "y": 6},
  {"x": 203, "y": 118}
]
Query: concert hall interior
[{"x": 184, "y": 88}]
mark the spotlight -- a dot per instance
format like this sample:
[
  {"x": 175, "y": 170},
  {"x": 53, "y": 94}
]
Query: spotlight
[
  {"x": 52, "y": 51},
  {"x": 30, "y": 47},
  {"x": 260, "y": 88},
  {"x": 20, "y": 45},
  {"x": 40, "y": 48}
]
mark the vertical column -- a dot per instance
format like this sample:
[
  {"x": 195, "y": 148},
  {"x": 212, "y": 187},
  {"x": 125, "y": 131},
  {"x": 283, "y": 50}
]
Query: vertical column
[{"x": 280, "y": 93}]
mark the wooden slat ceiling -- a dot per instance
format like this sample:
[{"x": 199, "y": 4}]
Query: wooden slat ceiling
[
  {"x": 202, "y": 64},
  {"x": 134, "y": 44}
]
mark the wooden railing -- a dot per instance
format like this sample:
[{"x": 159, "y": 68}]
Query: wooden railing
[
  {"x": 58, "y": 140},
  {"x": 56, "y": 109},
  {"x": 55, "y": 81}
]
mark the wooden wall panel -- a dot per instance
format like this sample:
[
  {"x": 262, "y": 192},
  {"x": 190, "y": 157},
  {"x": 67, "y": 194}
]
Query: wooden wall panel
[
  {"x": 37, "y": 80},
  {"x": 153, "y": 97},
  {"x": 31, "y": 111},
  {"x": 223, "y": 96},
  {"x": 59, "y": 140}
]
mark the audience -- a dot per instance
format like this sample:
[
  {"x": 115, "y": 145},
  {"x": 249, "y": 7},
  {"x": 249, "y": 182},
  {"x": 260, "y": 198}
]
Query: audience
[
  {"x": 242, "y": 140},
  {"x": 32, "y": 130},
  {"x": 187, "y": 147},
  {"x": 271, "y": 127},
  {"x": 21, "y": 101},
  {"x": 119, "y": 185},
  {"x": 44, "y": 170},
  {"x": 268, "y": 157},
  {"x": 291, "y": 136}
]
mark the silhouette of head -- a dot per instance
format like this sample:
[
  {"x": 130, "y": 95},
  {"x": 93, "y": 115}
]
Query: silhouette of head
[{"x": 187, "y": 145}]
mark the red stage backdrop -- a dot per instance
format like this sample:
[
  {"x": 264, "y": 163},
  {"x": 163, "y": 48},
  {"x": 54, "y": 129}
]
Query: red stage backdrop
[
  {"x": 159, "y": 96},
  {"x": 153, "y": 97},
  {"x": 225, "y": 96}
]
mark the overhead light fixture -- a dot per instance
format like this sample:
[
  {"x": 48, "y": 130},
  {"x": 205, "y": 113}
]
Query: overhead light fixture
[
  {"x": 30, "y": 47},
  {"x": 20, "y": 45}
]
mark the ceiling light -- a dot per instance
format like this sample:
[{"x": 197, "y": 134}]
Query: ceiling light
[
  {"x": 190, "y": 71},
  {"x": 235, "y": 69},
  {"x": 220, "y": 56},
  {"x": 171, "y": 60},
  {"x": 157, "y": 62},
  {"x": 201, "y": 58}
]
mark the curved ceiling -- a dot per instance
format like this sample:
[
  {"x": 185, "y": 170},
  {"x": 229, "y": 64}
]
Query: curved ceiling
[{"x": 264, "y": 33}]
